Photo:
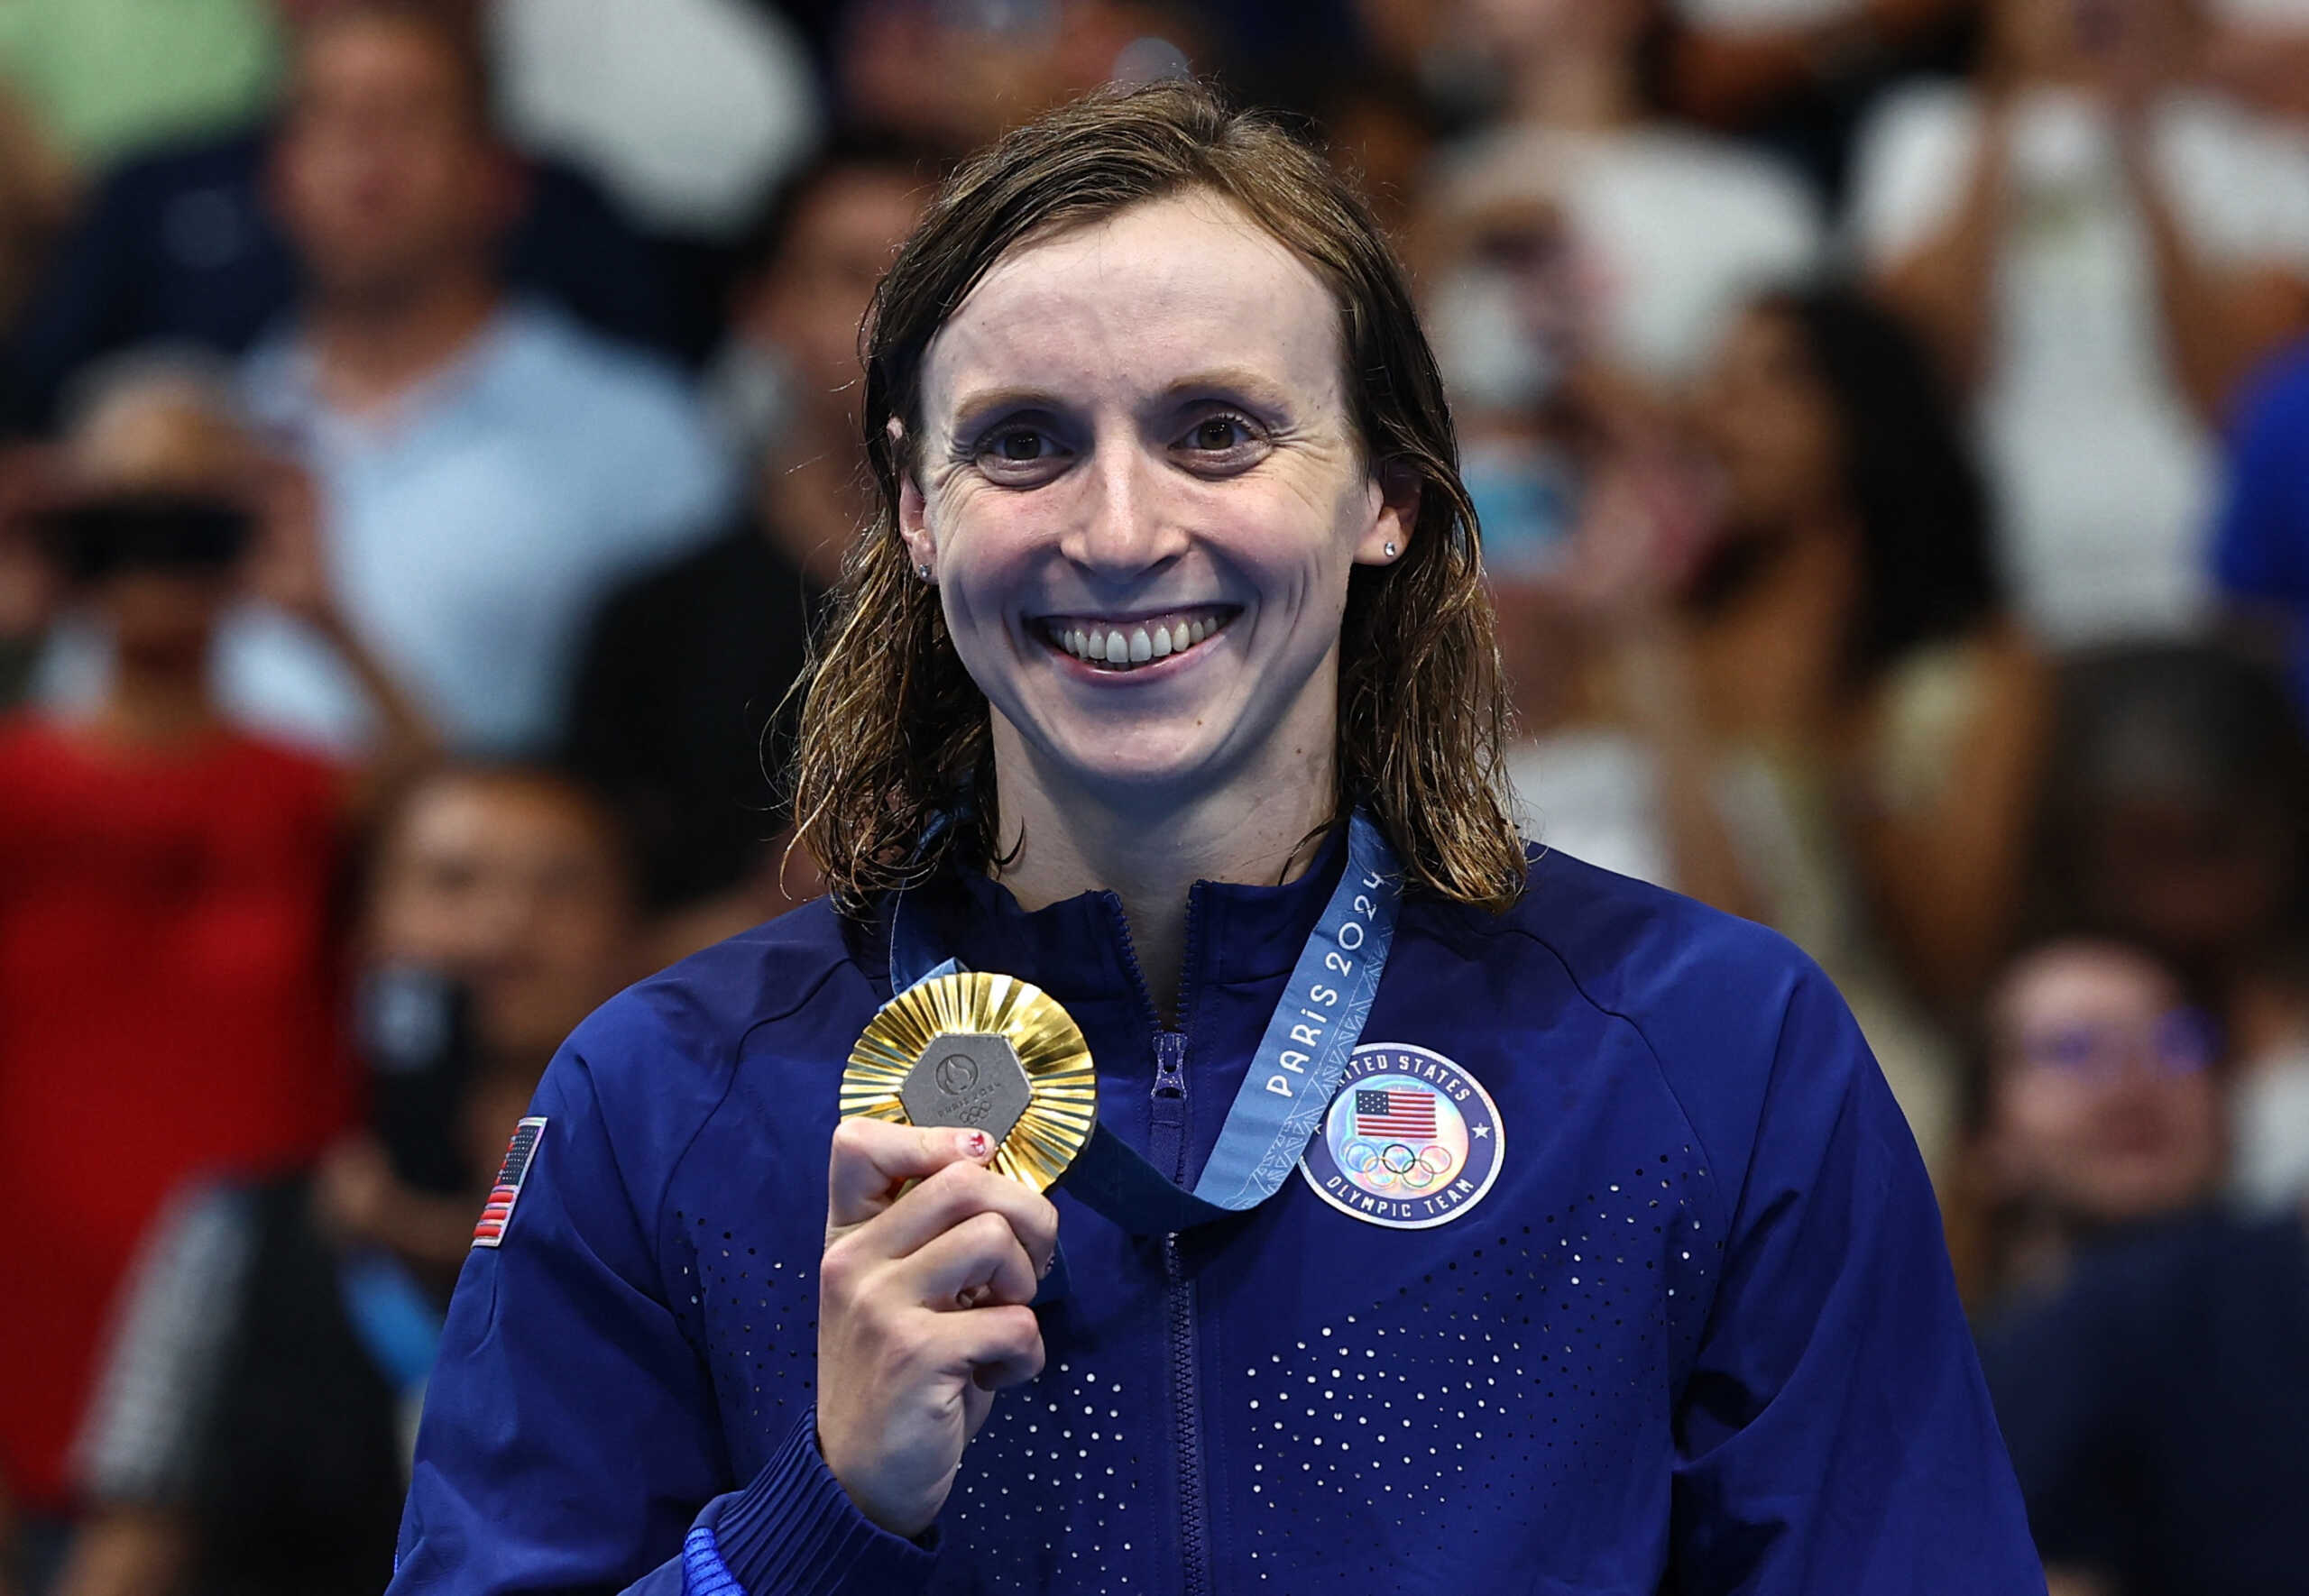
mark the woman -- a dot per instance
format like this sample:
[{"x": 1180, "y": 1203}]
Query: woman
[
  {"x": 1838, "y": 730},
  {"x": 1146, "y": 371}
]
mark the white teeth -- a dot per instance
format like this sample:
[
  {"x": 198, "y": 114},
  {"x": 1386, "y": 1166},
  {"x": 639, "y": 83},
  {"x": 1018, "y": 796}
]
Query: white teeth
[{"x": 1140, "y": 645}]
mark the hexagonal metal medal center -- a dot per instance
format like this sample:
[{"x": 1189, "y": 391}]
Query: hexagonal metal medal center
[{"x": 971, "y": 1080}]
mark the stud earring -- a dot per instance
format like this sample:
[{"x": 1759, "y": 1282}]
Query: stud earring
[
  {"x": 923, "y": 571},
  {"x": 1391, "y": 551}
]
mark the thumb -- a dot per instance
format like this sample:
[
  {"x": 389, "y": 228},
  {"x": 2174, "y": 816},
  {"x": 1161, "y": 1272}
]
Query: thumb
[{"x": 872, "y": 1160}]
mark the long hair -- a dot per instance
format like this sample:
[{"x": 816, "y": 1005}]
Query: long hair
[
  {"x": 895, "y": 736},
  {"x": 1928, "y": 562}
]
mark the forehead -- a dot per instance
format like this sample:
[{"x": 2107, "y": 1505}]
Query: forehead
[
  {"x": 472, "y": 820},
  {"x": 2084, "y": 981},
  {"x": 367, "y": 51},
  {"x": 1158, "y": 291}
]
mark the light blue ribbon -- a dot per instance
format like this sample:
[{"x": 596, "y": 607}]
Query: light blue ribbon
[{"x": 1309, "y": 1040}]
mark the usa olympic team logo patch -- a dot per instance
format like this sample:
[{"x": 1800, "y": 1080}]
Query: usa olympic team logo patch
[{"x": 1410, "y": 1140}]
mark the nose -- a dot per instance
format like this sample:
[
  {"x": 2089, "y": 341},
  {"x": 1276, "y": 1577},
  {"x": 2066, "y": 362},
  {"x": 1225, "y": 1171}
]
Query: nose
[{"x": 1125, "y": 526}]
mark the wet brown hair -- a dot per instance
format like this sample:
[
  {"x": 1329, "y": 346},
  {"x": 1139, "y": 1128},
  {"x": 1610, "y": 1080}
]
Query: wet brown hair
[{"x": 895, "y": 733}]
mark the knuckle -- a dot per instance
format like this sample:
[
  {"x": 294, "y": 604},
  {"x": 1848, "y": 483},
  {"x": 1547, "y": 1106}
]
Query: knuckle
[
  {"x": 986, "y": 1229},
  {"x": 851, "y": 1139}
]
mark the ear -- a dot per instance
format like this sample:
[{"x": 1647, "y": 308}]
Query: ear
[
  {"x": 1395, "y": 491},
  {"x": 914, "y": 525}
]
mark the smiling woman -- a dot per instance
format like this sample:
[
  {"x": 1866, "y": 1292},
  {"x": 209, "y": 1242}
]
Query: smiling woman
[
  {"x": 1135, "y": 321},
  {"x": 1434, "y": 1216}
]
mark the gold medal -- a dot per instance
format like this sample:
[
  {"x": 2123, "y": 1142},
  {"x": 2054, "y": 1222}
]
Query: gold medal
[{"x": 983, "y": 1051}]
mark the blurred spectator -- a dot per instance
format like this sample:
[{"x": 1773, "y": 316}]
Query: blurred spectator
[
  {"x": 679, "y": 714},
  {"x": 107, "y": 78},
  {"x": 690, "y": 110},
  {"x": 168, "y": 962},
  {"x": 2154, "y": 1409},
  {"x": 2176, "y": 816},
  {"x": 2260, "y": 548},
  {"x": 1822, "y": 713},
  {"x": 184, "y": 245},
  {"x": 2099, "y": 251},
  {"x": 1797, "y": 73},
  {"x": 1666, "y": 229},
  {"x": 252, "y": 1431},
  {"x": 487, "y": 468},
  {"x": 2099, "y": 1108},
  {"x": 2175, "y": 809}
]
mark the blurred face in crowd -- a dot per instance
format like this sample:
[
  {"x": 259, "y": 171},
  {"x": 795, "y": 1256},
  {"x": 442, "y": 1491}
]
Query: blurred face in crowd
[
  {"x": 159, "y": 436},
  {"x": 810, "y": 301},
  {"x": 386, "y": 172},
  {"x": 512, "y": 883},
  {"x": 1768, "y": 423},
  {"x": 2105, "y": 1103},
  {"x": 1139, "y": 486}
]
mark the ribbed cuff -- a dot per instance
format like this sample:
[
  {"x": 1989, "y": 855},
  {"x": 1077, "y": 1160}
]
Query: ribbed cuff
[{"x": 795, "y": 1531}]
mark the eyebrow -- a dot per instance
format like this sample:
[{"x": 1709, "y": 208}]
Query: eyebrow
[{"x": 977, "y": 404}]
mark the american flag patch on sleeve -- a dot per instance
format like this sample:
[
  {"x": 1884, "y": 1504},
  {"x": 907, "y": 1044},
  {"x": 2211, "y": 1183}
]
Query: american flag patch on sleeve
[{"x": 520, "y": 1155}]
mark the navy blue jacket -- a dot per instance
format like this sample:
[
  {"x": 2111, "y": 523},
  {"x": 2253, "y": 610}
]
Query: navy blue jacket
[{"x": 1698, "y": 1335}]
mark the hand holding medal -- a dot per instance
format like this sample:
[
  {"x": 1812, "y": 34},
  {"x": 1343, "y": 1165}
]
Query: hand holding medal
[{"x": 918, "y": 1225}]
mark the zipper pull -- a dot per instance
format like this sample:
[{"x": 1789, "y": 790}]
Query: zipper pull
[{"x": 1168, "y": 1111}]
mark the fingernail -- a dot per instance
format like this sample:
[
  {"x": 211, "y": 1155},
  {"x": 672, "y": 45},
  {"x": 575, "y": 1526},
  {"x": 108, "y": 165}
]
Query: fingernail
[{"x": 976, "y": 1144}]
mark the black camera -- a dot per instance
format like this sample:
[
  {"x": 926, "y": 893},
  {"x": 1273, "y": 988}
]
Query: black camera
[{"x": 149, "y": 531}]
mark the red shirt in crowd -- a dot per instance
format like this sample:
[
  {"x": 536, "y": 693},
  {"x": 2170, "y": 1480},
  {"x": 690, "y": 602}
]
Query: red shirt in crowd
[{"x": 169, "y": 1006}]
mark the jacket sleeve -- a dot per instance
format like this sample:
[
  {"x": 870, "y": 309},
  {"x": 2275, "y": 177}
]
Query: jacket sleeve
[
  {"x": 570, "y": 1441},
  {"x": 1835, "y": 1434}
]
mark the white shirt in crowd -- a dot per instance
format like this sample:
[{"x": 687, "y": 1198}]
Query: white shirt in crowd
[
  {"x": 1673, "y": 228},
  {"x": 2105, "y": 477},
  {"x": 690, "y": 110}
]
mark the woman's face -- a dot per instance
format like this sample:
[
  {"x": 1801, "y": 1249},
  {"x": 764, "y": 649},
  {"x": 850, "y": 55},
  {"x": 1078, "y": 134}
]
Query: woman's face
[
  {"x": 2104, "y": 1101},
  {"x": 1138, "y": 487},
  {"x": 1764, "y": 416}
]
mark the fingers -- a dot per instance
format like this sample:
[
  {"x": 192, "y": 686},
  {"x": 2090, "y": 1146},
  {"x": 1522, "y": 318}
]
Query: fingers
[
  {"x": 981, "y": 1250},
  {"x": 1002, "y": 1347},
  {"x": 873, "y": 1159},
  {"x": 959, "y": 1192}
]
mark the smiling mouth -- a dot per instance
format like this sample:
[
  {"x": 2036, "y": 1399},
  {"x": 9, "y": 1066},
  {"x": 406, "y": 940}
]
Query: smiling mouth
[{"x": 1119, "y": 644}]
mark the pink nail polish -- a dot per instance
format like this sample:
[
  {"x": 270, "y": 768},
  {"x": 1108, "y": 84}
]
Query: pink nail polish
[{"x": 976, "y": 1144}]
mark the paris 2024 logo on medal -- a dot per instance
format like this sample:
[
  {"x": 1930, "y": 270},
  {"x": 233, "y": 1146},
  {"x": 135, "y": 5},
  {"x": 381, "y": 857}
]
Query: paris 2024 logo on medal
[{"x": 1410, "y": 1140}]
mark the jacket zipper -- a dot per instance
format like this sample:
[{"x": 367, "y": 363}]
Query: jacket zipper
[
  {"x": 1170, "y": 1150},
  {"x": 1167, "y": 1125}
]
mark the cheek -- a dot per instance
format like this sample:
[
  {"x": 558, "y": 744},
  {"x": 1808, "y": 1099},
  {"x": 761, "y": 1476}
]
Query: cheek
[{"x": 2046, "y": 1109}]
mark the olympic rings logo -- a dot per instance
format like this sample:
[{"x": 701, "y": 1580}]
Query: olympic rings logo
[{"x": 1382, "y": 1166}]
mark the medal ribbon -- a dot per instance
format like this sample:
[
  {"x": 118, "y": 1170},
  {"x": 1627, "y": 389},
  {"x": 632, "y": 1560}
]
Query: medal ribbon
[{"x": 1296, "y": 1069}]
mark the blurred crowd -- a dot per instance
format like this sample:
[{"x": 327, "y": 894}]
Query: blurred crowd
[{"x": 429, "y": 432}]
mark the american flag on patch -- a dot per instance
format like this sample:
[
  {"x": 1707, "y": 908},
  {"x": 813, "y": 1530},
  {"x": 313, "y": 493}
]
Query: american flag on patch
[
  {"x": 520, "y": 1154},
  {"x": 1395, "y": 1116}
]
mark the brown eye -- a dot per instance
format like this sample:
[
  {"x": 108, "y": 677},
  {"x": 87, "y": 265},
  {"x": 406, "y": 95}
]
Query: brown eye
[
  {"x": 1219, "y": 433},
  {"x": 1019, "y": 445}
]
